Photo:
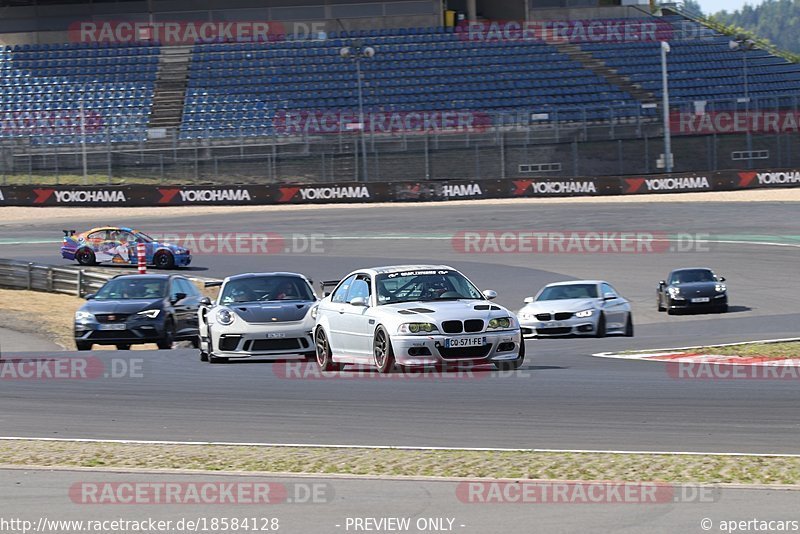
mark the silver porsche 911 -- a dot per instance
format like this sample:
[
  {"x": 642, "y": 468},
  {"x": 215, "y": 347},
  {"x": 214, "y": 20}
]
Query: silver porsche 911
[
  {"x": 579, "y": 307},
  {"x": 258, "y": 315},
  {"x": 413, "y": 315}
]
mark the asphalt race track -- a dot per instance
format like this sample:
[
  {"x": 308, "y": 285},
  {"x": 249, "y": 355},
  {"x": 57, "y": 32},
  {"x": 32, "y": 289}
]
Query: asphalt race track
[
  {"x": 561, "y": 398},
  {"x": 341, "y": 498}
]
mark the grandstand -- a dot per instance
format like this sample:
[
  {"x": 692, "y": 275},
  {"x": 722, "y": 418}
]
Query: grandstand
[{"x": 142, "y": 94}]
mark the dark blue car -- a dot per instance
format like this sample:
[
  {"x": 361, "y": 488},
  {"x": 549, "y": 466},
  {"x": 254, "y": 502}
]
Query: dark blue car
[{"x": 135, "y": 309}]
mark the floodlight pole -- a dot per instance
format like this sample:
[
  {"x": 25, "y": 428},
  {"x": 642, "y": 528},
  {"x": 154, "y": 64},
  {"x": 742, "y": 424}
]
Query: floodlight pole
[
  {"x": 665, "y": 105},
  {"x": 357, "y": 53},
  {"x": 83, "y": 144},
  {"x": 744, "y": 44},
  {"x": 361, "y": 121}
]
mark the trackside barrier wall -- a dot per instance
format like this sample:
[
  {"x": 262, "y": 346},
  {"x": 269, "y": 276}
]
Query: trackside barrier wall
[
  {"x": 355, "y": 192},
  {"x": 35, "y": 277}
]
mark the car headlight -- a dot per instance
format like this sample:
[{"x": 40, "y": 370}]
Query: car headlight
[
  {"x": 584, "y": 313},
  {"x": 313, "y": 312},
  {"x": 225, "y": 316},
  {"x": 720, "y": 288},
  {"x": 150, "y": 314},
  {"x": 83, "y": 315},
  {"x": 416, "y": 328},
  {"x": 674, "y": 291},
  {"x": 526, "y": 316},
  {"x": 500, "y": 322}
]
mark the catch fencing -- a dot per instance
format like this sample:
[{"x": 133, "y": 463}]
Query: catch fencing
[{"x": 605, "y": 142}]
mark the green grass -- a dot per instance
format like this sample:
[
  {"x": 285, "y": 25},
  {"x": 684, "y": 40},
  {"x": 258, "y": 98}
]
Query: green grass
[
  {"x": 705, "y": 469},
  {"x": 779, "y": 350},
  {"x": 789, "y": 349}
]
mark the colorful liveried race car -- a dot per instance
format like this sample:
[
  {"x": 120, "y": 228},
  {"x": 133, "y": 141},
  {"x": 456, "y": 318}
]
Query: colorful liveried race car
[{"x": 117, "y": 245}]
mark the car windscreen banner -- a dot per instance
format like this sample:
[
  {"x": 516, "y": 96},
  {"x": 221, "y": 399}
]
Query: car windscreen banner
[{"x": 404, "y": 191}]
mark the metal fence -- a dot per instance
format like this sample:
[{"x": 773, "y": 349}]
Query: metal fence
[
  {"x": 522, "y": 144},
  {"x": 50, "y": 279}
]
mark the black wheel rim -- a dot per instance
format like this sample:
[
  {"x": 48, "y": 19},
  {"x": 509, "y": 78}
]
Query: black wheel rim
[
  {"x": 322, "y": 349},
  {"x": 380, "y": 349}
]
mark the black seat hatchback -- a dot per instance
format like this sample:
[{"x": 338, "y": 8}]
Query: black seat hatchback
[{"x": 133, "y": 309}]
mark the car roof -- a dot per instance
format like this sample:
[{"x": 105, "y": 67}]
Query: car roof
[
  {"x": 101, "y": 228},
  {"x": 572, "y": 282},
  {"x": 148, "y": 276},
  {"x": 692, "y": 269},
  {"x": 403, "y": 268},
  {"x": 261, "y": 275}
]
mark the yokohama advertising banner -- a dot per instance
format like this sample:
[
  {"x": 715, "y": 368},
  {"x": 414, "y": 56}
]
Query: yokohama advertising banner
[{"x": 406, "y": 191}]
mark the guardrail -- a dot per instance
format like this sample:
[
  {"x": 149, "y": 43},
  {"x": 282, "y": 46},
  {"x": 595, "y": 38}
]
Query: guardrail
[{"x": 50, "y": 279}]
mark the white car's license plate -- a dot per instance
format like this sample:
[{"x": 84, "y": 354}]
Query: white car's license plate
[
  {"x": 456, "y": 342},
  {"x": 553, "y": 325},
  {"x": 113, "y": 326},
  {"x": 701, "y": 299}
]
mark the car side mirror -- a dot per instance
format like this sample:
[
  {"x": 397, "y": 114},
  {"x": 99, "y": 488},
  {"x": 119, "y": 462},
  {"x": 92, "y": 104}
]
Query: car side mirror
[
  {"x": 326, "y": 294},
  {"x": 90, "y": 296},
  {"x": 609, "y": 296},
  {"x": 358, "y": 301},
  {"x": 528, "y": 300},
  {"x": 721, "y": 278},
  {"x": 489, "y": 294},
  {"x": 662, "y": 282},
  {"x": 177, "y": 297},
  {"x": 205, "y": 301}
]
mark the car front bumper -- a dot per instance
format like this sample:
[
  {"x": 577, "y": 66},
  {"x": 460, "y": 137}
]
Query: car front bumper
[
  {"x": 431, "y": 349},
  {"x": 254, "y": 342},
  {"x": 182, "y": 260},
  {"x": 134, "y": 331},
  {"x": 715, "y": 301},
  {"x": 574, "y": 326}
]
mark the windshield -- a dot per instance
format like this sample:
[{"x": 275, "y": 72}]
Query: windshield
[
  {"x": 694, "y": 275},
  {"x": 265, "y": 288},
  {"x": 570, "y": 291},
  {"x": 439, "y": 284},
  {"x": 133, "y": 288},
  {"x": 141, "y": 236}
]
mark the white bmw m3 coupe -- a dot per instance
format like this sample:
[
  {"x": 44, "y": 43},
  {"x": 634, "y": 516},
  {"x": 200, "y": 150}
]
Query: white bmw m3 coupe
[{"x": 413, "y": 315}]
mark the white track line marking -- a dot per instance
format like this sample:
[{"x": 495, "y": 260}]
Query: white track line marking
[{"x": 387, "y": 447}]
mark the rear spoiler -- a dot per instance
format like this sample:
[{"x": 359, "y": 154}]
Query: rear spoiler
[
  {"x": 327, "y": 283},
  {"x": 69, "y": 233},
  {"x": 212, "y": 283}
]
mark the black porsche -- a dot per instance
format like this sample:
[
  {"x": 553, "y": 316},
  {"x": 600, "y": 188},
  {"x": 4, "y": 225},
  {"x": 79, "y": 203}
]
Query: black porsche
[{"x": 692, "y": 289}]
